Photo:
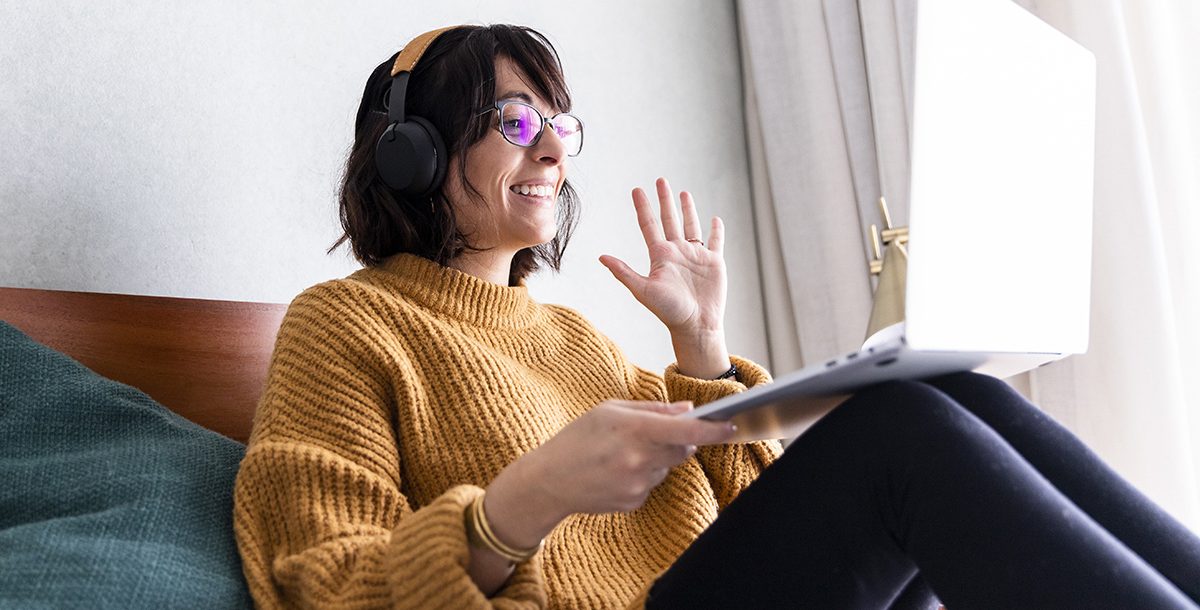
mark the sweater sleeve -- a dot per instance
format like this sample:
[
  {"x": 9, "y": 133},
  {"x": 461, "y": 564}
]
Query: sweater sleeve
[
  {"x": 729, "y": 468},
  {"x": 319, "y": 514}
]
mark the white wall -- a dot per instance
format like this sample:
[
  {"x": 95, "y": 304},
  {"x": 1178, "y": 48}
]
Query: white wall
[{"x": 193, "y": 149}]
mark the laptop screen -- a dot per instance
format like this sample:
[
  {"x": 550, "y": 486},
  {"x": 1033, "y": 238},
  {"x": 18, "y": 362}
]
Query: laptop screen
[{"x": 1001, "y": 190}]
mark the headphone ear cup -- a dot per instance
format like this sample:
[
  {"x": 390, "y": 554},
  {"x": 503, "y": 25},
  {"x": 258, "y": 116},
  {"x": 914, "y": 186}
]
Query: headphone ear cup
[
  {"x": 411, "y": 157},
  {"x": 437, "y": 159}
]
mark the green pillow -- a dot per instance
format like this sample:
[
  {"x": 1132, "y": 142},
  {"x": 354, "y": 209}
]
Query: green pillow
[{"x": 108, "y": 499}]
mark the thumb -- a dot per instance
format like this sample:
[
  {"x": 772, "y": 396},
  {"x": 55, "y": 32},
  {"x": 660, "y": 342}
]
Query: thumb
[
  {"x": 624, "y": 273},
  {"x": 664, "y": 408}
]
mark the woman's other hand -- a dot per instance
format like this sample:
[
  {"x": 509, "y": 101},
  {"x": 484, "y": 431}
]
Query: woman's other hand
[
  {"x": 608, "y": 460},
  {"x": 686, "y": 286}
]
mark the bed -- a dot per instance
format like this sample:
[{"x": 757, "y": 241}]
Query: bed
[
  {"x": 203, "y": 359},
  {"x": 123, "y": 420}
]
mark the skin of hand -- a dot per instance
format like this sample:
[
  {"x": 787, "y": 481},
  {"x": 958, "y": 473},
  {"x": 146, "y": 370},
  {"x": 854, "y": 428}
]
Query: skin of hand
[
  {"x": 606, "y": 461},
  {"x": 686, "y": 287}
]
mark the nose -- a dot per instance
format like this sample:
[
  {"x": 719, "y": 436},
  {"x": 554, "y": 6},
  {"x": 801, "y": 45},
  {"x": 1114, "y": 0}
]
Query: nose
[{"x": 550, "y": 148}]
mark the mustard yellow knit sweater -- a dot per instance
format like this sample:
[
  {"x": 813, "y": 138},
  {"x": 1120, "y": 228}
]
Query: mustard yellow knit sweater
[{"x": 397, "y": 394}]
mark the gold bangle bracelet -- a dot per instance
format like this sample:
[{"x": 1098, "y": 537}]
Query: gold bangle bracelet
[
  {"x": 493, "y": 541},
  {"x": 480, "y": 534}
]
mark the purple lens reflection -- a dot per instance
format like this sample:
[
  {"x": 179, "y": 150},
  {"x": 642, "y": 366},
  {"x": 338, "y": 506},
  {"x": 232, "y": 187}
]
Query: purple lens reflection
[
  {"x": 570, "y": 131},
  {"x": 520, "y": 124}
]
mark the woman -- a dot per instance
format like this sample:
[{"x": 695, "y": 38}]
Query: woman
[{"x": 432, "y": 437}]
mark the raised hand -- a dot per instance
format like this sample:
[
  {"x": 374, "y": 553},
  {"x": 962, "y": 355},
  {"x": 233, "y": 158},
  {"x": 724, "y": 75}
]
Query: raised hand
[{"x": 686, "y": 286}]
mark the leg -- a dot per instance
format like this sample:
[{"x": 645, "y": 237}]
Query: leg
[
  {"x": 1080, "y": 475},
  {"x": 901, "y": 477},
  {"x": 916, "y": 595}
]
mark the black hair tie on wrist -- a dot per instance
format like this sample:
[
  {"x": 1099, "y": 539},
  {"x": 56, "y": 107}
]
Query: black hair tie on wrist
[{"x": 732, "y": 372}]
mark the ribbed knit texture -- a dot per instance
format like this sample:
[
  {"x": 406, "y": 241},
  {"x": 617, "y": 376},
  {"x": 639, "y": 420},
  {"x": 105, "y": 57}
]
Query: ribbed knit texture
[{"x": 397, "y": 394}]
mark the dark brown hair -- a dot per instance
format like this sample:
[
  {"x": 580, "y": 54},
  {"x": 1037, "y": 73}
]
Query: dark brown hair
[{"x": 454, "y": 79}]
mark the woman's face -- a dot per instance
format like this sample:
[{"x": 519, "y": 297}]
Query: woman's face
[{"x": 508, "y": 220}]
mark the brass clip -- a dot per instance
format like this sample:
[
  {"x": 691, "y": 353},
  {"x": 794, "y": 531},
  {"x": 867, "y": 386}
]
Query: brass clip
[
  {"x": 890, "y": 263},
  {"x": 890, "y": 234}
]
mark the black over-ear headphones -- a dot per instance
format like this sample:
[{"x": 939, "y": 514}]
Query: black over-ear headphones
[{"x": 410, "y": 155}]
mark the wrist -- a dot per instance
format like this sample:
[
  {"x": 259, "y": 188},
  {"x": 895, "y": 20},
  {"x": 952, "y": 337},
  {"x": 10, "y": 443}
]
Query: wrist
[
  {"x": 481, "y": 534},
  {"x": 702, "y": 355},
  {"x": 519, "y": 515}
]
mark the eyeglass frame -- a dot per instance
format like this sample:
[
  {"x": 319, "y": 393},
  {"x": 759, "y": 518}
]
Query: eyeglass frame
[{"x": 499, "y": 108}]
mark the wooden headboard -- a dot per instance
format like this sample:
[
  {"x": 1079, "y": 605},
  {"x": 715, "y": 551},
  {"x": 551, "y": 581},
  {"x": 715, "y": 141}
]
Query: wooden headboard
[{"x": 206, "y": 360}]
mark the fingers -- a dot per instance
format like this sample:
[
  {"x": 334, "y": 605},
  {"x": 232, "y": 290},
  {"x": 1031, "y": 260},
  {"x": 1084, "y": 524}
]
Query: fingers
[
  {"x": 716, "y": 237},
  {"x": 665, "y": 408},
  {"x": 691, "y": 220},
  {"x": 669, "y": 430},
  {"x": 668, "y": 225},
  {"x": 651, "y": 231},
  {"x": 624, "y": 273},
  {"x": 657, "y": 453},
  {"x": 672, "y": 230}
]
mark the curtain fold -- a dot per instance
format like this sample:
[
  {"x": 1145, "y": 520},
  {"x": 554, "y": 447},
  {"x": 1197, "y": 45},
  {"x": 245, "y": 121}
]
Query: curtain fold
[
  {"x": 888, "y": 45},
  {"x": 828, "y": 88},
  {"x": 810, "y": 166}
]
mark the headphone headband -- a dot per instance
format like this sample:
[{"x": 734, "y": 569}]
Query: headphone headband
[
  {"x": 406, "y": 60},
  {"x": 412, "y": 52}
]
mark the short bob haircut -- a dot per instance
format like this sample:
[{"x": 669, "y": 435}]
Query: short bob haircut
[{"x": 454, "y": 79}]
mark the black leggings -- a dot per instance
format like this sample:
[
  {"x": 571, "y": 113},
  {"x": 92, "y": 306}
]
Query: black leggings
[{"x": 956, "y": 485}]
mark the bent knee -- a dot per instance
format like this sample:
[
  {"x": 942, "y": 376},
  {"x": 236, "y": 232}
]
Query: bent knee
[
  {"x": 912, "y": 410},
  {"x": 971, "y": 382}
]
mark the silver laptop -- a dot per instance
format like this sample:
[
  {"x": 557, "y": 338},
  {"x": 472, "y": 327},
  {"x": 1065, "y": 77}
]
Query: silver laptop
[{"x": 1000, "y": 222}]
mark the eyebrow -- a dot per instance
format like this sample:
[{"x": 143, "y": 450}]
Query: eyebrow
[{"x": 517, "y": 95}]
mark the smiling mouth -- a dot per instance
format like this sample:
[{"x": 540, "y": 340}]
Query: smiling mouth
[{"x": 542, "y": 193}]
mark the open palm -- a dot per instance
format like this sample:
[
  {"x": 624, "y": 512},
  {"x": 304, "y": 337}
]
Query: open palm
[{"x": 686, "y": 285}]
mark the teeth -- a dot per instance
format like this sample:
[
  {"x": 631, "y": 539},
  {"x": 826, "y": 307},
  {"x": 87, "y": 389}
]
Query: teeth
[{"x": 536, "y": 191}]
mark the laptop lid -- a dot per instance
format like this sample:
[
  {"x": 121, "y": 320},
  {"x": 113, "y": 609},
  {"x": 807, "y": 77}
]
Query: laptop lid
[{"x": 1001, "y": 189}]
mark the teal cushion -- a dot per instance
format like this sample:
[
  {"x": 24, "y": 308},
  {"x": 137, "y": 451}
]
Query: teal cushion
[{"x": 108, "y": 499}]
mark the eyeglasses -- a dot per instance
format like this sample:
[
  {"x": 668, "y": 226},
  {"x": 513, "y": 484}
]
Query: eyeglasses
[{"x": 522, "y": 124}]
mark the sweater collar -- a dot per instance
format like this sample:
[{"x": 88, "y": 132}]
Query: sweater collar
[{"x": 451, "y": 293}]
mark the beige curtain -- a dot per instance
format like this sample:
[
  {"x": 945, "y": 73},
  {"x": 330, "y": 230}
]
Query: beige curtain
[
  {"x": 828, "y": 98},
  {"x": 813, "y": 159}
]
